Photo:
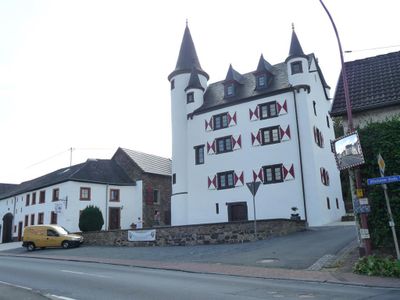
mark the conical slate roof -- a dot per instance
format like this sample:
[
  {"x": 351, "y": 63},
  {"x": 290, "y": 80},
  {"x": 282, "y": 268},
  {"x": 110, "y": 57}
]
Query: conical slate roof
[
  {"x": 194, "y": 81},
  {"x": 233, "y": 75},
  {"x": 187, "y": 59},
  {"x": 295, "y": 47}
]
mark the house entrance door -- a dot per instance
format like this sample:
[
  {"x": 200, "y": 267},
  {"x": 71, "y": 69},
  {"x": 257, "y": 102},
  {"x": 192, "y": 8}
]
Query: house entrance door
[
  {"x": 20, "y": 231},
  {"x": 7, "y": 228},
  {"x": 114, "y": 221}
]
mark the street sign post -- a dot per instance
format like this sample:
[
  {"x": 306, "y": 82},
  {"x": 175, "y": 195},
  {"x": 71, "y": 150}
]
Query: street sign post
[
  {"x": 253, "y": 187},
  {"x": 384, "y": 180}
]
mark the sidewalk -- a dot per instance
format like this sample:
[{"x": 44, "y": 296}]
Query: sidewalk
[{"x": 232, "y": 270}]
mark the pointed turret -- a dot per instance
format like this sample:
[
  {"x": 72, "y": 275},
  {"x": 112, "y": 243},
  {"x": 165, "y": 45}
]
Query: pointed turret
[
  {"x": 187, "y": 59},
  {"x": 295, "y": 47}
]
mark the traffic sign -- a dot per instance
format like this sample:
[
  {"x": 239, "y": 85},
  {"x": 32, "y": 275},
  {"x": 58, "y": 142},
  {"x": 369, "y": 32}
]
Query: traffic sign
[
  {"x": 383, "y": 180},
  {"x": 381, "y": 164},
  {"x": 253, "y": 187}
]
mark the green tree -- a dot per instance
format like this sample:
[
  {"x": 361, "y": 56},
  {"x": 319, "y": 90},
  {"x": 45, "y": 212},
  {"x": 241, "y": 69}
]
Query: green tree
[
  {"x": 91, "y": 219},
  {"x": 383, "y": 138}
]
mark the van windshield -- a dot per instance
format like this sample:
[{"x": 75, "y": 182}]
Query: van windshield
[{"x": 62, "y": 230}]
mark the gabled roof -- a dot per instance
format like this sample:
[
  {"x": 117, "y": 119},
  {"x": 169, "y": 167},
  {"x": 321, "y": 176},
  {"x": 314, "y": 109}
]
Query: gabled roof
[
  {"x": 374, "y": 82},
  {"x": 150, "y": 163},
  {"x": 194, "y": 81},
  {"x": 187, "y": 58},
  {"x": 6, "y": 187},
  {"x": 103, "y": 171},
  {"x": 263, "y": 66},
  {"x": 233, "y": 75}
]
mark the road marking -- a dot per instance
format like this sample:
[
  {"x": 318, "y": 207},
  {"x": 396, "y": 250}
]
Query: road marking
[
  {"x": 59, "y": 297},
  {"x": 16, "y": 285},
  {"x": 322, "y": 262},
  {"x": 85, "y": 274}
]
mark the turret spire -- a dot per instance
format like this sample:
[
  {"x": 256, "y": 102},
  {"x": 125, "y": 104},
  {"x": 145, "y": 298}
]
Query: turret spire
[
  {"x": 187, "y": 59},
  {"x": 295, "y": 47}
]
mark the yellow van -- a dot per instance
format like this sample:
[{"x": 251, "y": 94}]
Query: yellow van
[{"x": 43, "y": 236}]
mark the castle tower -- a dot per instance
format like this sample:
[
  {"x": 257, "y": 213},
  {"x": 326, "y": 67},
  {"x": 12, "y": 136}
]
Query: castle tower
[
  {"x": 188, "y": 83},
  {"x": 297, "y": 62}
]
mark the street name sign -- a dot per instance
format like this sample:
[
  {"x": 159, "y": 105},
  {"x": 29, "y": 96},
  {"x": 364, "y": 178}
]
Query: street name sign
[{"x": 383, "y": 180}]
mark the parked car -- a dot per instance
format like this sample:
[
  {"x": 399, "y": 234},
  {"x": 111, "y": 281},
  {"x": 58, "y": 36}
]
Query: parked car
[{"x": 43, "y": 236}]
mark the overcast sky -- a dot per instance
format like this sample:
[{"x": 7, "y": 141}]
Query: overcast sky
[{"x": 92, "y": 75}]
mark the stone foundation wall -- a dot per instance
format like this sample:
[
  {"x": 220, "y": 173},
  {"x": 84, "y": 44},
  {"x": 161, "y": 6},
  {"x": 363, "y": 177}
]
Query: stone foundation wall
[{"x": 204, "y": 234}]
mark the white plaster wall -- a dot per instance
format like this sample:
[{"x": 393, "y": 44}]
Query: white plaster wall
[{"x": 130, "y": 204}]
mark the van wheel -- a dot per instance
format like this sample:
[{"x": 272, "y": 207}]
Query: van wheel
[
  {"x": 30, "y": 247},
  {"x": 65, "y": 245}
]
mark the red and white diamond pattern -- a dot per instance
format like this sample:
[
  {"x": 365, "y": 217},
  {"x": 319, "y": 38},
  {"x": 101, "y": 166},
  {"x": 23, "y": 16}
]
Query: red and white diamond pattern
[
  {"x": 285, "y": 134},
  {"x": 209, "y": 124},
  {"x": 254, "y": 114},
  {"x": 211, "y": 147},
  {"x": 239, "y": 178},
  {"x": 282, "y": 107},
  {"x": 236, "y": 142},
  {"x": 212, "y": 182},
  {"x": 288, "y": 172},
  {"x": 256, "y": 138}
]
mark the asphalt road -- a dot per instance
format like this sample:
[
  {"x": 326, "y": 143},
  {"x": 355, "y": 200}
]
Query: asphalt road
[
  {"x": 70, "y": 280},
  {"x": 295, "y": 251}
]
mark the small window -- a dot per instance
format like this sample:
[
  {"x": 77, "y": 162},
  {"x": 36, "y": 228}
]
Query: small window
[
  {"x": 270, "y": 135},
  {"x": 225, "y": 180},
  {"x": 190, "y": 97},
  {"x": 337, "y": 203},
  {"x": 40, "y": 218},
  {"x": 27, "y": 200},
  {"x": 324, "y": 176},
  {"x": 33, "y": 198},
  {"x": 32, "y": 219},
  {"x": 314, "y": 107},
  {"x": 224, "y": 144},
  {"x": 53, "y": 219},
  {"x": 296, "y": 67},
  {"x": 217, "y": 208},
  {"x": 156, "y": 196},
  {"x": 26, "y": 220},
  {"x": 328, "y": 203},
  {"x": 268, "y": 110},
  {"x": 318, "y": 137},
  {"x": 230, "y": 90},
  {"x": 327, "y": 122},
  {"x": 199, "y": 154},
  {"x": 273, "y": 174},
  {"x": 174, "y": 178},
  {"x": 56, "y": 194},
  {"x": 261, "y": 81},
  {"x": 42, "y": 197},
  {"x": 220, "y": 121},
  {"x": 172, "y": 84},
  {"x": 114, "y": 195},
  {"x": 84, "y": 193}
]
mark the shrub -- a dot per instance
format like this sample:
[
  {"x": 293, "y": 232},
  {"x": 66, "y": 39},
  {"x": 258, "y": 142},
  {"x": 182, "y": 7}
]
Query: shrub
[
  {"x": 377, "y": 266},
  {"x": 91, "y": 219}
]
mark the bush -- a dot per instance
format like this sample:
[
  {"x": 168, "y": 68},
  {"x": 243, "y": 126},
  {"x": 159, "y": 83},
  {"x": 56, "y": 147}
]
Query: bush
[
  {"x": 377, "y": 266},
  {"x": 91, "y": 219}
]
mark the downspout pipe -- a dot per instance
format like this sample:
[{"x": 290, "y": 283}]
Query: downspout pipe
[{"x": 301, "y": 157}]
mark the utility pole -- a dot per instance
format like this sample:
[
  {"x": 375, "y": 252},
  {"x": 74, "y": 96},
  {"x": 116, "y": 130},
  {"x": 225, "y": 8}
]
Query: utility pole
[{"x": 359, "y": 190}]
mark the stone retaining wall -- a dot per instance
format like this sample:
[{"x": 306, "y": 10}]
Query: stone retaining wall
[{"x": 204, "y": 234}]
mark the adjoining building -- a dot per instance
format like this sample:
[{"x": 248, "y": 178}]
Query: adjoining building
[
  {"x": 271, "y": 125},
  {"x": 60, "y": 196},
  {"x": 374, "y": 88}
]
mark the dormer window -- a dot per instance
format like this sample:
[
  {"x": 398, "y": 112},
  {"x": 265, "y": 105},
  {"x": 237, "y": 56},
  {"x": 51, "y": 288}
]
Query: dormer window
[
  {"x": 296, "y": 67},
  {"x": 230, "y": 90},
  {"x": 190, "y": 97},
  {"x": 261, "y": 81}
]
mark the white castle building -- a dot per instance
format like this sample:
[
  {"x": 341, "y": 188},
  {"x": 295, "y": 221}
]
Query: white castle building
[{"x": 270, "y": 125}]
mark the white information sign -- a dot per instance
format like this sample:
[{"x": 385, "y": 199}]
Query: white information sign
[
  {"x": 141, "y": 235},
  {"x": 364, "y": 233},
  {"x": 363, "y": 201}
]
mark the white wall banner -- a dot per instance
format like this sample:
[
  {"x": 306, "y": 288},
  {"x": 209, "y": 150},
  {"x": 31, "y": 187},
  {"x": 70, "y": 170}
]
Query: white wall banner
[{"x": 141, "y": 235}]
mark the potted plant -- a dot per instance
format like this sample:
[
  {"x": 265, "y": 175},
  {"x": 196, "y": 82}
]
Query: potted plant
[{"x": 294, "y": 215}]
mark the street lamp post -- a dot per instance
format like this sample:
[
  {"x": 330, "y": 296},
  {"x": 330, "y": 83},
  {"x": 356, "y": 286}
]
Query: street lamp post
[{"x": 357, "y": 173}]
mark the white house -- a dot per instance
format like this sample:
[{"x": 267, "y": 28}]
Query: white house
[
  {"x": 58, "y": 198},
  {"x": 270, "y": 125}
]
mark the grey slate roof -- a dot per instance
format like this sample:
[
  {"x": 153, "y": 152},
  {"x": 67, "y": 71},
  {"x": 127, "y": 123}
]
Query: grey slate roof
[
  {"x": 295, "y": 47},
  {"x": 150, "y": 163},
  {"x": 95, "y": 171},
  {"x": 374, "y": 82},
  {"x": 187, "y": 58},
  {"x": 194, "y": 81},
  {"x": 264, "y": 66},
  {"x": 5, "y": 187},
  {"x": 233, "y": 75},
  {"x": 214, "y": 95}
]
